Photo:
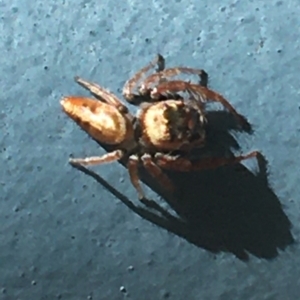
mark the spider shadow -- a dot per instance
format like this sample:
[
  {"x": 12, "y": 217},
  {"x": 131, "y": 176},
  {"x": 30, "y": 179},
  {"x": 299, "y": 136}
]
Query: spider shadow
[{"x": 228, "y": 209}]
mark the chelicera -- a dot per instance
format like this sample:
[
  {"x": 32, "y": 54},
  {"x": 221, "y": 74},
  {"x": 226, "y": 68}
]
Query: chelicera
[{"x": 165, "y": 125}]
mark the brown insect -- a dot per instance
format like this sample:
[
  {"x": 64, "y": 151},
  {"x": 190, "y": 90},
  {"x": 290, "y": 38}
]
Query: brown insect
[{"x": 167, "y": 123}]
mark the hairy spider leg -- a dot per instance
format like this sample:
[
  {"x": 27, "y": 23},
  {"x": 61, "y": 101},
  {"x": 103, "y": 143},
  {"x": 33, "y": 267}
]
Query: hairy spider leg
[
  {"x": 97, "y": 160},
  {"x": 156, "y": 172},
  {"x": 203, "y": 94},
  {"x": 162, "y": 76},
  {"x": 102, "y": 94},
  {"x": 152, "y": 168},
  {"x": 182, "y": 164},
  {"x": 130, "y": 84},
  {"x": 132, "y": 166}
]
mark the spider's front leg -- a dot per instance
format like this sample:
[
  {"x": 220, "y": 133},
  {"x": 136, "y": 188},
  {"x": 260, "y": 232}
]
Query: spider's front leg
[
  {"x": 102, "y": 94},
  {"x": 163, "y": 76},
  {"x": 132, "y": 83},
  {"x": 208, "y": 94},
  {"x": 200, "y": 93},
  {"x": 177, "y": 163}
]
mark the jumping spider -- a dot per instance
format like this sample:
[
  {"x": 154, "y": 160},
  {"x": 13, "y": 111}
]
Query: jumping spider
[{"x": 165, "y": 124}]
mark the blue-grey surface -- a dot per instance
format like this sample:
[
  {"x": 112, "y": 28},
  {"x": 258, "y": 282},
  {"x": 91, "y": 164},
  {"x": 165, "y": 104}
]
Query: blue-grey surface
[{"x": 64, "y": 235}]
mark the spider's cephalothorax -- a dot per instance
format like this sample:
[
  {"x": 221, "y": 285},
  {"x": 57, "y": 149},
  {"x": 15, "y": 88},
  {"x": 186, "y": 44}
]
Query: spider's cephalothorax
[
  {"x": 171, "y": 125},
  {"x": 165, "y": 123}
]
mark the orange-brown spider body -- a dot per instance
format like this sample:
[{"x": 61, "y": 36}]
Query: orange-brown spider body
[
  {"x": 159, "y": 127},
  {"x": 166, "y": 124}
]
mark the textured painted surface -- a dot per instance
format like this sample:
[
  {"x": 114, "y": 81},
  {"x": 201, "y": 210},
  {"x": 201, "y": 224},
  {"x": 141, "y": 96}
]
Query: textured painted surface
[{"x": 63, "y": 235}]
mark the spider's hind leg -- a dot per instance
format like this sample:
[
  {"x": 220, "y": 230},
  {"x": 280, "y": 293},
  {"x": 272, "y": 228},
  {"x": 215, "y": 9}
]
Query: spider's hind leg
[
  {"x": 102, "y": 94},
  {"x": 97, "y": 160}
]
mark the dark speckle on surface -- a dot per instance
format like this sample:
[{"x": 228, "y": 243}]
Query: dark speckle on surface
[{"x": 66, "y": 234}]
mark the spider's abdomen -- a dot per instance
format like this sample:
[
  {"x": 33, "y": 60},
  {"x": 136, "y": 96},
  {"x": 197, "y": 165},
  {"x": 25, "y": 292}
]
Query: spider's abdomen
[{"x": 103, "y": 122}]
